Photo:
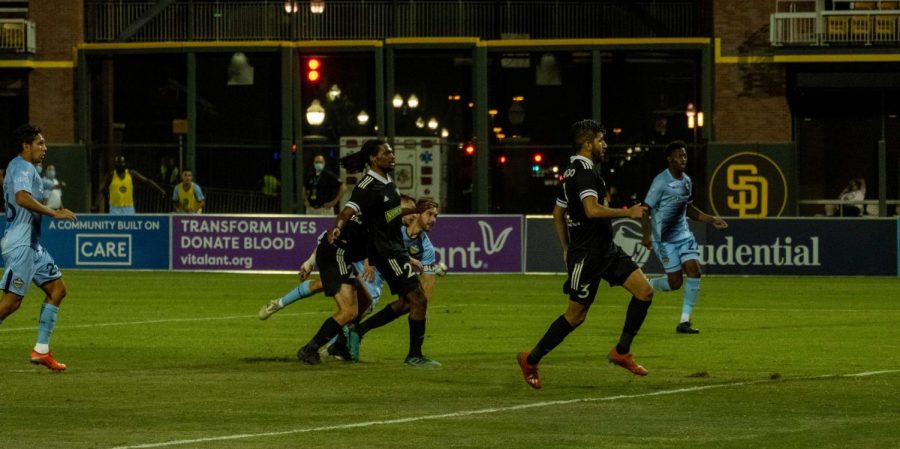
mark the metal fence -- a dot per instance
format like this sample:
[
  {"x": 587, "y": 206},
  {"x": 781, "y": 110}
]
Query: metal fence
[
  {"x": 107, "y": 20},
  {"x": 218, "y": 201},
  {"x": 795, "y": 23},
  {"x": 17, "y": 36}
]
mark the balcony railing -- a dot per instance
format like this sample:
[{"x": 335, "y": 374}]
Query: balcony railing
[
  {"x": 17, "y": 36},
  {"x": 270, "y": 20},
  {"x": 796, "y": 23}
]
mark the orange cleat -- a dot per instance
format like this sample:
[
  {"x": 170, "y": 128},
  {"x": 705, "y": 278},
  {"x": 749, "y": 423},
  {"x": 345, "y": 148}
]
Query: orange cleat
[
  {"x": 626, "y": 361},
  {"x": 47, "y": 360},
  {"x": 529, "y": 372}
]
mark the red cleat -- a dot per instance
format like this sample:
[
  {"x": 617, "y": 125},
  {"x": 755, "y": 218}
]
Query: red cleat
[
  {"x": 529, "y": 372},
  {"x": 47, "y": 360},
  {"x": 626, "y": 361}
]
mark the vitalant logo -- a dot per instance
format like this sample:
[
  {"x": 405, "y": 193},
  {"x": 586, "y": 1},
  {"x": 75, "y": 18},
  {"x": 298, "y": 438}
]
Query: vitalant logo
[
  {"x": 492, "y": 245},
  {"x": 468, "y": 253},
  {"x": 627, "y": 235}
]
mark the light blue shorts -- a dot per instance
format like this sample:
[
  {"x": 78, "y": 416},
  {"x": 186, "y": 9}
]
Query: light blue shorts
[
  {"x": 373, "y": 286},
  {"x": 116, "y": 210},
  {"x": 23, "y": 265},
  {"x": 674, "y": 254}
]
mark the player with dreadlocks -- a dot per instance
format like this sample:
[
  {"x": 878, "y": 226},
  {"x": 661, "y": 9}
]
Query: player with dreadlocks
[{"x": 377, "y": 199}]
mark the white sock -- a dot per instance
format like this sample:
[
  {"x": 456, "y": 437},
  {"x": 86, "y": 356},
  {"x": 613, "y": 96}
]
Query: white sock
[{"x": 41, "y": 348}]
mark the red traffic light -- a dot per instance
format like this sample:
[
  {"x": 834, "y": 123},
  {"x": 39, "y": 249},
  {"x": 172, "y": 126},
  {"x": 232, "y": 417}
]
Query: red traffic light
[
  {"x": 538, "y": 158},
  {"x": 502, "y": 159},
  {"x": 313, "y": 74},
  {"x": 470, "y": 149}
]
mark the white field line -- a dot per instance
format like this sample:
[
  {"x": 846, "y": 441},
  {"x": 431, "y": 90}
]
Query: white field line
[
  {"x": 485, "y": 411},
  {"x": 656, "y": 305},
  {"x": 163, "y": 321}
]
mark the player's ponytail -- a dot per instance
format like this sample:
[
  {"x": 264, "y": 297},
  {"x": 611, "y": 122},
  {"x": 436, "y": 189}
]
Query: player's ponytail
[{"x": 356, "y": 162}]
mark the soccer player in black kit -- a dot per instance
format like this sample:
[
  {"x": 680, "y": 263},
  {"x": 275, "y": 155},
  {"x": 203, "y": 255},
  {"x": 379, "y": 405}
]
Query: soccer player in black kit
[
  {"x": 591, "y": 255},
  {"x": 335, "y": 261},
  {"x": 376, "y": 197}
]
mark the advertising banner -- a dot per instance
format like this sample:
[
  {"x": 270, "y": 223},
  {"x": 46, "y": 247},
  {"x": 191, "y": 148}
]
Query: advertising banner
[
  {"x": 752, "y": 180},
  {"x": 753, "y": 247},
  {"x": 466, "y": 244},
  {"x": 479, "y": 243},
  {"x": 244, "y": 243},
  {"x": 108, "y": 241},
  {"x": 782, "y": 247}
]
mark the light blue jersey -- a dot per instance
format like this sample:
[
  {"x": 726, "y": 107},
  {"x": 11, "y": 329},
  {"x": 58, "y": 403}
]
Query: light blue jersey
[
  {"x": 421, "y": 249},
  {"x": 668, "y": 200},
  {"x": 23, "y": 227}
]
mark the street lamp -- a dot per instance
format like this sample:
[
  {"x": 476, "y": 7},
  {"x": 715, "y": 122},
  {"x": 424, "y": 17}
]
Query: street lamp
[
  {"x": 334, "y": 93},
  {"x": 397, "y": 101},
  {"x": 317, "y": 6},
  {"x": 315, "y": 114},
  {"x": 413, "y": 101},
  {"x": 694, "y": 120},
  {"x": 363, "y": 117}
]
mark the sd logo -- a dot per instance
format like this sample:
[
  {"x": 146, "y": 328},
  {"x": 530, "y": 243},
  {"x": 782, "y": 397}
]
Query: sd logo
[{"x": 748, "y": 185}]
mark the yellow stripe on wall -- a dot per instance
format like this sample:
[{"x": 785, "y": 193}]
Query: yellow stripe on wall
[{"x": 30, "y": 64}]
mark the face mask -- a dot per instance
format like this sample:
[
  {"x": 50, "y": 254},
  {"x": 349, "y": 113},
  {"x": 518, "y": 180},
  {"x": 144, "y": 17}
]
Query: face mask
[
  {"x": 40, "y": 168},
  {"x": 319, "y": 166},
  {"x": 51, "y": 174}
]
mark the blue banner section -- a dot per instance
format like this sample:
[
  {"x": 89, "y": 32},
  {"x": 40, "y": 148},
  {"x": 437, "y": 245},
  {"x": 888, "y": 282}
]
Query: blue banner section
[{"x": 108, "y": 241}]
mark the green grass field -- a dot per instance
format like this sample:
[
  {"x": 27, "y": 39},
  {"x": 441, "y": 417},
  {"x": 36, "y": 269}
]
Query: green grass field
[{"x": 180, "y": 360}]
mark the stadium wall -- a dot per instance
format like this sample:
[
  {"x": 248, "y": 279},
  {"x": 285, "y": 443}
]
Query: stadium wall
[{"x": 466, "y": 244}]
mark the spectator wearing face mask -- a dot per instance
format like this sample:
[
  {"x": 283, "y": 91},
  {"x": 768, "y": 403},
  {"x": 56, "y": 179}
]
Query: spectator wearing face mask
[
  {"x": 322, "y": 189},
  {"x": 52, "y": 187}
]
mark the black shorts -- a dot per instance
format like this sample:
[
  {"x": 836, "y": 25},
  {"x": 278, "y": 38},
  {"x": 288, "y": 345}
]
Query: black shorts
[
  {"x": 586, "y": 271},
  {"x": 334, "y": 269},
  {"x": 399, "y": 273}
]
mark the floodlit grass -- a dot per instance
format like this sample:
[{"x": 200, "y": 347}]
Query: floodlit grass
[{"x": 159, "y": 359}]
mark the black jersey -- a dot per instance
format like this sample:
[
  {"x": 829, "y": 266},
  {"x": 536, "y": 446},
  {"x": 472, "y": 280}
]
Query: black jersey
[
  {"x": 353, "y": 239},
  {"x": 580, "y": 180},
  {"x": 378, "y": 199}
]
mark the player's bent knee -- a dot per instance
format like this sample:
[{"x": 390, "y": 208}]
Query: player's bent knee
[
  {"x": 346, "y": 316},
  {"x": 644, "y": 293}
]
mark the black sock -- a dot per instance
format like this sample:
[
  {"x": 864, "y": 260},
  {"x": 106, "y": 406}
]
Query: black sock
[
  {"x": 416, "y": 337},
  {"x": 382, "y": 317},
  {"x": 329, "y": 329},
  {"x": 634, "y": 318},
  {"x": 555, "y": 335},
  {"x": 342, "y": 338}
]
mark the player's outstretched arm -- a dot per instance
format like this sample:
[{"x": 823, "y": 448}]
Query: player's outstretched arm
[
  {"x": 698, "y": 215},
  {"x": 593, "y": 209},
  {"x": 143, "y": 178},
  {"x": 24, "y": 199}
]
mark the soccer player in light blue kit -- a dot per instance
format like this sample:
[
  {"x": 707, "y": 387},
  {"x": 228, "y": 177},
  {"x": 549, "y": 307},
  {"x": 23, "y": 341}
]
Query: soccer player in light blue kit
[
  {"x": 24, "y": 257},
  {"x": 671, "y": 199}
]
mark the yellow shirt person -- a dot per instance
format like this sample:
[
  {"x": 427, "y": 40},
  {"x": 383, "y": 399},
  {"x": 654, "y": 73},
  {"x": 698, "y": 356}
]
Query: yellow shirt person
[
  {"x": 119, "y": 187},
  {"x": 188, "y": 197}
]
